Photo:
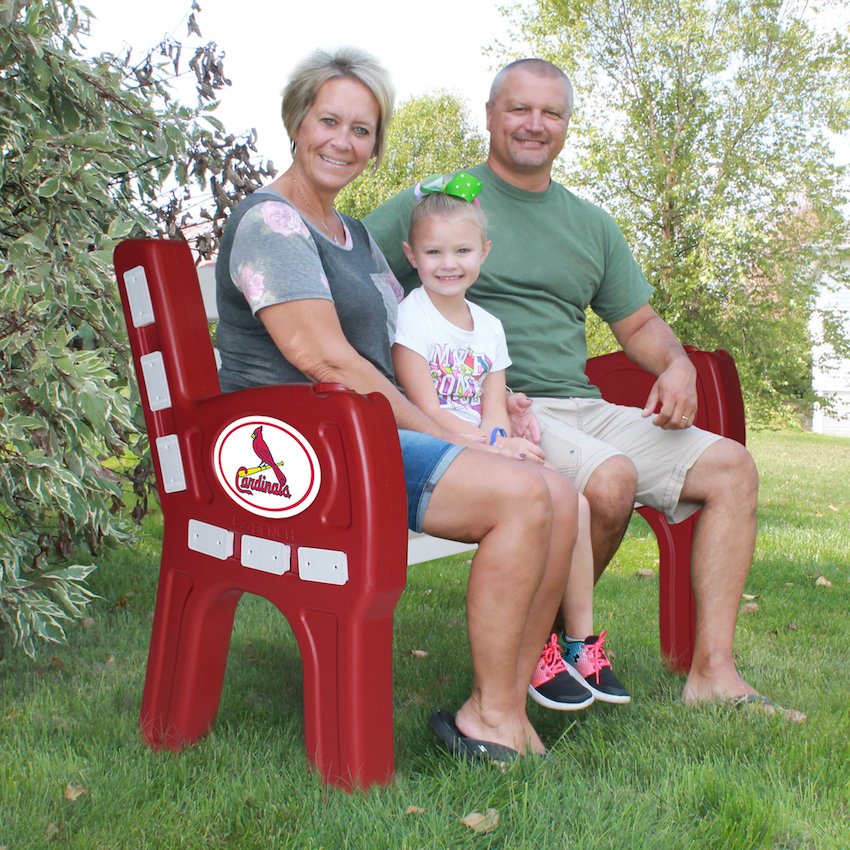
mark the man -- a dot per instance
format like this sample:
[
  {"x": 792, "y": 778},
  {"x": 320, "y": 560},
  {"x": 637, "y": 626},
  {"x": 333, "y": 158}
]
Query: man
[{"x": 553, "y": 255}]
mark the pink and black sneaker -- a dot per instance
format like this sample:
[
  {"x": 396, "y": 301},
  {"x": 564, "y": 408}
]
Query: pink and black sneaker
[
  {"x": 587, "y": 661},
  {"x": 553, "y": 685}
]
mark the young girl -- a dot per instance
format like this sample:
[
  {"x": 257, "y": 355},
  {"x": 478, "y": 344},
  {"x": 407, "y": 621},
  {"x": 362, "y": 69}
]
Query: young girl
[{"x": 450, "y": 358}]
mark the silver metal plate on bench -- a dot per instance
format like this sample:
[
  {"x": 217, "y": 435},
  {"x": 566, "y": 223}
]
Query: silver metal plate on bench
[
  {"x": 139, "y": 296},
  {"x": 326, "y": 566},
  {"x": 171, "y": 463},
  {"x": 210, "y": 540},
  {"x": 270, "y": 556}
]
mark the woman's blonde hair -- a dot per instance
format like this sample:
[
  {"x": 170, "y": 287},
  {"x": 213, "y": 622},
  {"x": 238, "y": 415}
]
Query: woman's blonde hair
[{"x": 347, "y": 63}]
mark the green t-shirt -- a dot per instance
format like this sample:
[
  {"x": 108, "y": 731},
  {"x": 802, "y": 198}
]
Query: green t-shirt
[{"x": 553, "y": 255}]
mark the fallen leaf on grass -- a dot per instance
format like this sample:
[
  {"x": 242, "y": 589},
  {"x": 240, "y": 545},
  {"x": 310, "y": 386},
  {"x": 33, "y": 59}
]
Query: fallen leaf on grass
[
  {"x": 73, "y": 792},
  {"x": 749, "y": 608},
  {"x": 792, "y": 626},
  {"x": 482, "y": 823},
  {"x": 414, "y": 810},
  {"x": 823, "y": 581},
  {"x": 833, "y": 508},
  {"x": 53, "y": 829},
  {"x": 645, "y": 573},
  {"x": 749, "y": 598},
  {"x": 88, "y": 622},
  {"x": 418, "y": 653}
]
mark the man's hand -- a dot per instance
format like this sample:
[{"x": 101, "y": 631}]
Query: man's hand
[
  {"x": 649, "y": 341},
  {"x": 523, "y": 422},
  {"x": 673, "y": 396}
]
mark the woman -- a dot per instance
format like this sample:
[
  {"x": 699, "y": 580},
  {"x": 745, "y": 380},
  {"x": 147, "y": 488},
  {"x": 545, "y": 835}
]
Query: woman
[{"x": 305, "y": 295}]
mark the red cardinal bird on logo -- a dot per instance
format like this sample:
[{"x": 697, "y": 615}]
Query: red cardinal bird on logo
[{"x": 263, "y": 453}]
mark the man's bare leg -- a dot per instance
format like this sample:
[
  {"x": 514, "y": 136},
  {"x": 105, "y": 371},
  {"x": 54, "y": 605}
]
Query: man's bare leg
[
  {"x": 725, "y": 481},
  {"x": 611, "y": 493},
  {"x": 515, "y": 582}
]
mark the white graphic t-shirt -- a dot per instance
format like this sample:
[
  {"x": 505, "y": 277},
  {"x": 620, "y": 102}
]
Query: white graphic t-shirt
[{"x": 459, "y": 359}]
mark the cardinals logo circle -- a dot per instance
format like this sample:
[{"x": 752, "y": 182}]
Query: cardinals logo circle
[{"x": 267, "y": 467}]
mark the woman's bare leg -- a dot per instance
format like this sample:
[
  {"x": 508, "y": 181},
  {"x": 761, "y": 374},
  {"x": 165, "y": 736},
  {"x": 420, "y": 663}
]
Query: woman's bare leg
[
  {"x": 565, "y": 500},
  {"x": 516, "y": 581}
]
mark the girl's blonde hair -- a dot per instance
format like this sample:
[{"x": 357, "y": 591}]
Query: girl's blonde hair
[{"x": 439, "y": 205}]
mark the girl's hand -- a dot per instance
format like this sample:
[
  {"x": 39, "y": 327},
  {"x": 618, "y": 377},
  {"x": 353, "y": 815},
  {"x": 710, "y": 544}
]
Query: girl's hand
[{"x": 513, "y": 447}]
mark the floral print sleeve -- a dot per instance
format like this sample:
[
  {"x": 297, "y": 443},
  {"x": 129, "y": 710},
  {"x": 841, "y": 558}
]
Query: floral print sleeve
[{"x": 274, "y": 258}]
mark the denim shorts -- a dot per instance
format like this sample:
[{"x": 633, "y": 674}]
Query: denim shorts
[{"x": 425, "y": 458}]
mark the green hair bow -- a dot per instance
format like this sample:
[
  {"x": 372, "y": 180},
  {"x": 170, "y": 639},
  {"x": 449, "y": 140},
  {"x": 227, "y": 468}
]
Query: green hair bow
[{"x": 460, "y": 184}]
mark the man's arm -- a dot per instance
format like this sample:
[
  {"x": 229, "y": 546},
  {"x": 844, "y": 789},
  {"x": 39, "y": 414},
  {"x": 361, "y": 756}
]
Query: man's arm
[{"x": 648, "y": 340}]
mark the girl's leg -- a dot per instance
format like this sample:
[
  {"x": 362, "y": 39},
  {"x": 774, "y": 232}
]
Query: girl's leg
[
  {"x": 516, "y": 581},
  {"x": 589, "y": 659},
  {"x": 577, "y": 606}
]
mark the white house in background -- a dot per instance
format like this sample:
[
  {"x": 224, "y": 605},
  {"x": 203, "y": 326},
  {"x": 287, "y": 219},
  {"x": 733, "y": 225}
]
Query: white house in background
[{"x": 833, "y": 378}]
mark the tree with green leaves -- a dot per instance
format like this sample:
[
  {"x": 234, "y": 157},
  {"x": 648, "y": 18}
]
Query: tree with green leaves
[
  {"x": 704, "y": 127},
  {"x": 429, "y": 134},
  {"x": 91, "y": 151}
]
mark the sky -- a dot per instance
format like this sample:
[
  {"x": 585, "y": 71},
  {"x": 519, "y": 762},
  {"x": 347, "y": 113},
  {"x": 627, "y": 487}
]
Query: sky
[
  {"x": 427, "y": 46},
  {"x": 433, "y": 45}
]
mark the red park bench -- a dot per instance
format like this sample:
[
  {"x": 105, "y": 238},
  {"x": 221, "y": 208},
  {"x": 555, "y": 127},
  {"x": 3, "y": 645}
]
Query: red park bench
[{"x": 295, "y": 493}]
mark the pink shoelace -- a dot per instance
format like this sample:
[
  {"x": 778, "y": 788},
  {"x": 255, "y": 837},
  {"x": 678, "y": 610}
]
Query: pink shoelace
[
  {"x": 595, "y": 655},
  {"x": 551, "y": 662}
]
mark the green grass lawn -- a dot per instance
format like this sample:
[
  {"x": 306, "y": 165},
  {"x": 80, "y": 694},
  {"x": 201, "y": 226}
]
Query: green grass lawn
[{"x": 653, "y": 774}]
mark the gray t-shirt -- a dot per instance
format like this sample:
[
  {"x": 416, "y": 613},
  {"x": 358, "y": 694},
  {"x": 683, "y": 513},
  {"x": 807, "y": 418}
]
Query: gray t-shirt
[{"x": 271, "y": 255}]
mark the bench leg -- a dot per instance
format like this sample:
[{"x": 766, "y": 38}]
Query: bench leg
[
  {"x": 676, "y": 611},
  {"x": 348, "y": 712},
  {"x": 186, "y": 663}
]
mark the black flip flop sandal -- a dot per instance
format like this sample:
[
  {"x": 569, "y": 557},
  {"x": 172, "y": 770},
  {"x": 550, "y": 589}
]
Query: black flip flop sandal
[{"x": 443, "y": 724}]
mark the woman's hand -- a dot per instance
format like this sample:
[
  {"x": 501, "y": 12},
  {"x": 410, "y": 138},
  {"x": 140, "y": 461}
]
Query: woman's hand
[
  {"x": 522, "y": 447},
  {"x": 512, "y": 447}
]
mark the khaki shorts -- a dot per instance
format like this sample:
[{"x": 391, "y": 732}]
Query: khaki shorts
[{"x": 578, "y": 434}]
